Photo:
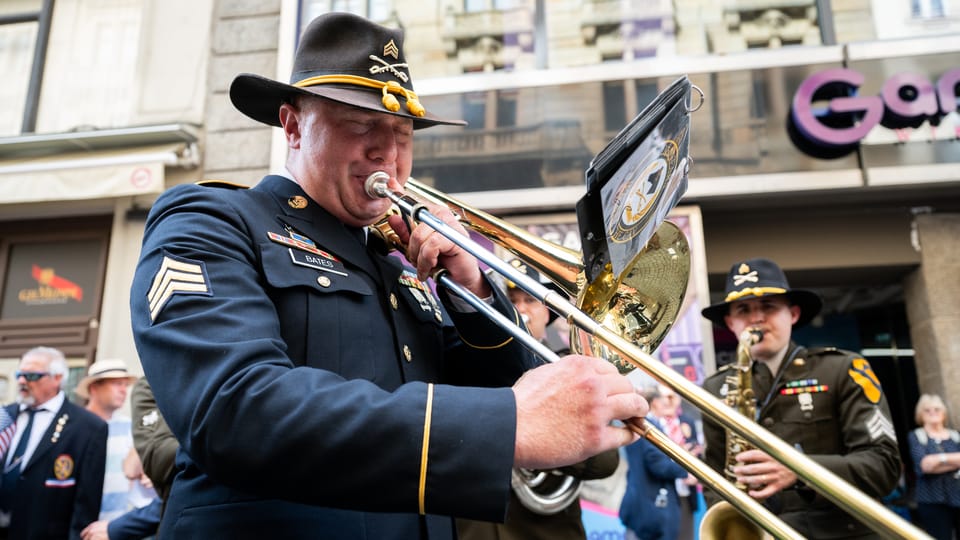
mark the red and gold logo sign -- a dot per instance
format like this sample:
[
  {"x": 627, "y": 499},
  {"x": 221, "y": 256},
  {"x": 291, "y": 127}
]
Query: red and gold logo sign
[{"x": 51, "y": 288}]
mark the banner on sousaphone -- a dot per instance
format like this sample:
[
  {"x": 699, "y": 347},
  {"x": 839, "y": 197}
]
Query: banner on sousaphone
[{"x": 634, "y": 182}]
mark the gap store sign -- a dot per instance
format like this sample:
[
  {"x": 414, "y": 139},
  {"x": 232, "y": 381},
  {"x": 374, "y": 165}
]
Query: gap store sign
[{"x": 906, "y": 100}]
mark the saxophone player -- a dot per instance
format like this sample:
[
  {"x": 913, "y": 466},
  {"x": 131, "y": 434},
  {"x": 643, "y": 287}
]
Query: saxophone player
[{"x": 825, "y": 402}]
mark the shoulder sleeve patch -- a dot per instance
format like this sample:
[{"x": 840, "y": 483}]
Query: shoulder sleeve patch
[
  {"x": 862, "y": 374},
  {"x": 176, "y": 275},
  {"x": 223, "y": 184}
]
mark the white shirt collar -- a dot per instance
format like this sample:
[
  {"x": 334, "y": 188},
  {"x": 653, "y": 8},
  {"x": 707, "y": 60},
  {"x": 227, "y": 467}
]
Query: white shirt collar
[{"x": 285, "y": 172}]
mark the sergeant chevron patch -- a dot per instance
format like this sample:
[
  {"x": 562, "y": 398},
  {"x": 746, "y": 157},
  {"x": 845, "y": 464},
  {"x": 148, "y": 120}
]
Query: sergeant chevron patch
[
  {"x": 879, "y": 426},
  {"x": 176, "y": 276}
]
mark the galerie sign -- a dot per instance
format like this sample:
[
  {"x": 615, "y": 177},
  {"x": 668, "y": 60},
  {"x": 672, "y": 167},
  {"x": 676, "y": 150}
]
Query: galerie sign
[{"x": 906, "y": 100}]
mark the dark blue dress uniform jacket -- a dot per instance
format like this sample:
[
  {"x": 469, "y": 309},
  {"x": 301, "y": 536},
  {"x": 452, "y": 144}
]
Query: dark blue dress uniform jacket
[
  {"x": 60, "y": 488},
  {"x": 299, "y": 395}
]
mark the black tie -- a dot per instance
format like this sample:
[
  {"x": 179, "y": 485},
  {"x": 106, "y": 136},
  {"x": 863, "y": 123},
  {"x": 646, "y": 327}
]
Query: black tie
[{"x": 11, "y": 473}]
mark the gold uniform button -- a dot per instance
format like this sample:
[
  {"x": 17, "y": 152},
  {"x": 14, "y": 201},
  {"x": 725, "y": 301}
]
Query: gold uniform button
[
  {"x": 323, "y": 281},
  {"x": 393, "y": 301},
  {"x": 407, "y": 354},
  {"x": 438, "y": 316},
  {"x": 297, "y": 202}
]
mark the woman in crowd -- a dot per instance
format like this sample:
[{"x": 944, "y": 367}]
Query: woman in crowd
[{"x": 935, "y": 450}]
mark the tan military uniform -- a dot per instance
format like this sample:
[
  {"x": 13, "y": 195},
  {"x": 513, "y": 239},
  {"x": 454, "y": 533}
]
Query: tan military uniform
[{"x": 828, "y": 404}]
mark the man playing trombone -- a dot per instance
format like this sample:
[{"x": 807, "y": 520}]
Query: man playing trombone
[
  {"x": 308, "y": 376},
  {"x": 825, "y": 402}
]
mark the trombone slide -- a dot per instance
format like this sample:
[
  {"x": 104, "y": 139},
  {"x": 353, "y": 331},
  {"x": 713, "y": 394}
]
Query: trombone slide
[{"x": 837, "y": 490}]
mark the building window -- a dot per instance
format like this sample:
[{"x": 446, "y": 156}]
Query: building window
[
  {"x": 614, "y": 106},
  {"x": 475, "y": 110},
  {"x": 474, "y": 6},
  {"x": 646, "y": 93},
  {"x": 21, "y": 25},
  {"x": 927, "y": 9},
  {"x": 758, "y": 98},
  {"x": 506, "y": 108},
  {"x": 375, "y": 10}
]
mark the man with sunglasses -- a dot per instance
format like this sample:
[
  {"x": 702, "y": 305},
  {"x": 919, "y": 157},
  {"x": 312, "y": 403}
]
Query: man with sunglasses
[{"x": 53, "y": 470}]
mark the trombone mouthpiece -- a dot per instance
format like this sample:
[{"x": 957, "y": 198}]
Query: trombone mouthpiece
[{"x": 376, "y": 185}]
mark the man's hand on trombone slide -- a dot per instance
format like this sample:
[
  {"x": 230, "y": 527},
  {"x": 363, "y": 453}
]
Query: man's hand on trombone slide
[{"x": 566, "y": 412}]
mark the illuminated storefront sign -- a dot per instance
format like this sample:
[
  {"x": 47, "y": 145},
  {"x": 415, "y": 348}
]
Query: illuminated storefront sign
[
  {"x": 51, "y": 279},
  {"x": 50, "y": 289},
  {"x": 906, "y": 100}
]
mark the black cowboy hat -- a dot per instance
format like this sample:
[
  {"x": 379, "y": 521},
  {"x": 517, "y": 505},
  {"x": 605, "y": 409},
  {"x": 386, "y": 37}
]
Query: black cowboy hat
[
  {"x": 754, "y": 278},
  {"x": 345, "y": 58},
  {"x": 536, "y": 276}
]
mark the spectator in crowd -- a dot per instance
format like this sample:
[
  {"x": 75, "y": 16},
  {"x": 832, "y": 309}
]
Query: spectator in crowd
[
  {"x": 152, "y": 438},
  {"x": 650, "y": 508},
  {"x": 537, "y": 317},
  {"x": 53, "y": 470},
  {"x": 316, "y": 383},
  {"x": 825, "y": 402},
  {"x": 682, "y": 430},
  {"x": 935, "y": 449},
  {"x": 135, "y": 524},
  {"x": 126, "y": 489},
  {"x": 150, "y": 433}
]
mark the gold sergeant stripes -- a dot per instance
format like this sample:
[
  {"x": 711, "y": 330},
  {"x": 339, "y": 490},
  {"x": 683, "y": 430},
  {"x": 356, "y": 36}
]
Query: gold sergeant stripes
[
  {"x": 422, "y": 493},
  {"x": 175, "y": 277}
]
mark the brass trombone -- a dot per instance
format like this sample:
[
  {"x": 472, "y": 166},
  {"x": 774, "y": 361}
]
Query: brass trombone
[{"x": 840, "y": 492}]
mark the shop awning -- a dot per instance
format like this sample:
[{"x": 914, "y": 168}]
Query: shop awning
[{"x": 88, "y": 175}]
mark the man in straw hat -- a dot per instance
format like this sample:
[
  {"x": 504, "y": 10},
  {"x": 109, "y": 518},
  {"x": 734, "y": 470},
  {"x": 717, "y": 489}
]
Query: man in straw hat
[
  {"x": 105, "y": 387},
  {"x": 825, "y": 402},
  {"x": 124, "y": 490},
  {"x": 306, "y": 373}
]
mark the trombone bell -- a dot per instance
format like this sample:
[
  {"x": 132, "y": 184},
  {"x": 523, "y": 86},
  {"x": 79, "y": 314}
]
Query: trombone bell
[
  {"x": 640, "y": 305},
  {"x": 643, "y": 303}
]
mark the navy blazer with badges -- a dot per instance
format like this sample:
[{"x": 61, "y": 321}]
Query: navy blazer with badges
[
  {"x": 828, "y": 404},
  {"x": 650, "y": 471},
  {"x": 60, "y": 488},
  {"x": 293, "y": 366}
]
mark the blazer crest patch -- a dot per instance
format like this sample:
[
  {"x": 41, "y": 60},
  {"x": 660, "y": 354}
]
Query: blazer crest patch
[{"x": 63, "y": 467}]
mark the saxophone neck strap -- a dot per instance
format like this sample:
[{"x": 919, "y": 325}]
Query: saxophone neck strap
[{"x": 772, "y": 391}]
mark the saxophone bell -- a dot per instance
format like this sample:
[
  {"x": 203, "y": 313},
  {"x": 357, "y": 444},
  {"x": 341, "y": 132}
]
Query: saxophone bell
[{"x": 723, "y": 521}]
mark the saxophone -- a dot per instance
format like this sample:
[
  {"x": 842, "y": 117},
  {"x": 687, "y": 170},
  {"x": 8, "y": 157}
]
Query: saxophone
[
  {"x": 740, "y": 396},
  {"x": 722, "y": 520}
]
